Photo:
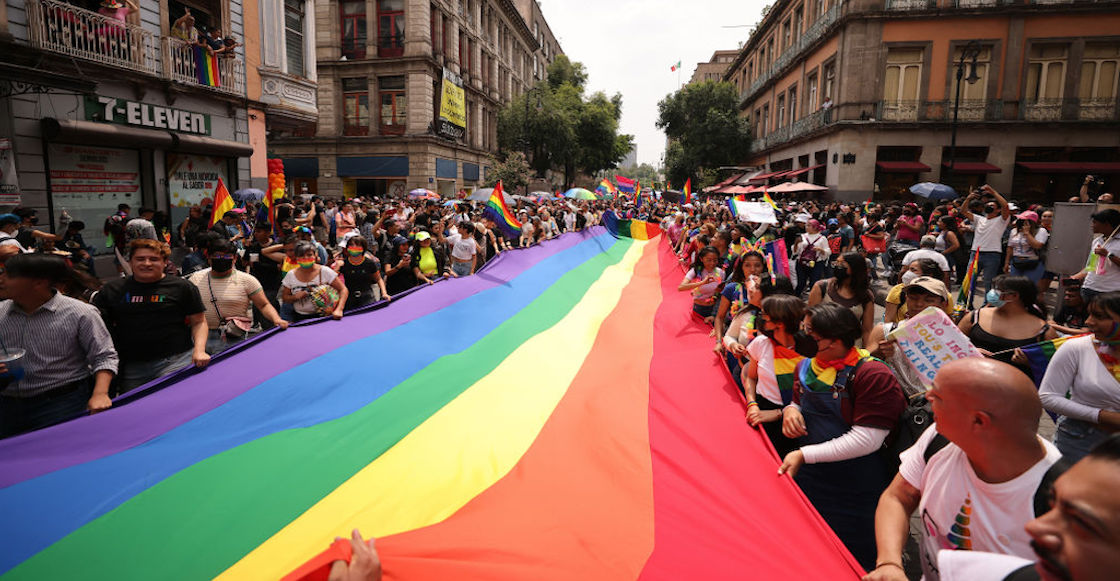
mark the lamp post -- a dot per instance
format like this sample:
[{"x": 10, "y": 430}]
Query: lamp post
[
  {"x": 970, "y": 52},
  {"x": 525, "y": 126}
]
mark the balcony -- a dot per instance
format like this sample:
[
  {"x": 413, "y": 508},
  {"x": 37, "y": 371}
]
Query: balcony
[
  {"x": 907, "y": 5},
  {"x": 812, "y": 34},
  {"x": 1043, "y": 110},
  {"x": 1097, "y": 110},
  {"x": 899, "y": 110},
  {"x": 188, "y": 63},
  {"x": 803, "y": 126},
  {"x": 66, "y": 29}
]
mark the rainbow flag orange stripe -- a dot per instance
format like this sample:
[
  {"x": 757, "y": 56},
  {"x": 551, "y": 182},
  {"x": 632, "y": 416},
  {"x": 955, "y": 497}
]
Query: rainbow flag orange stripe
[
  {"x": 206, "y": 67},
  {"x": 769, "y": 200},
  {"x": 497, "y": 210}
]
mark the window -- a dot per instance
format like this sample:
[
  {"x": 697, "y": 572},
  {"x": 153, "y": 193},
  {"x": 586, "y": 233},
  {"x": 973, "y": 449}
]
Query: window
[
  {"x": 393, "y": 105},
  {"x": 443, "y": 35},
  {"x": 1046, "y": 72},
  {"x": 787, "y": 34},
  {"x": 353, "y": 26},
  {"x": 792, "y": 104},
  {"x": 902, "y": 81},
  {"x": 390, "y": 28},
  {"x": 798, "y": 20},
  {"x": 436, "y": 48},
  {"x": 1099, "y": 72},
  {"x": 355, "y": 107},
  {"x": 829, "y": 81},
  {"x": 977, "y": 91},
  {"x": 205, "y": 12},
  {"x": 293, "y": 36},
  {"x": 765, "y": 128},
  {"x": 811, "y": 95},
  {"x": 821, "y": 7},
  {"x": 781, "y": 121},
  {"x": 463, "y": 52}
]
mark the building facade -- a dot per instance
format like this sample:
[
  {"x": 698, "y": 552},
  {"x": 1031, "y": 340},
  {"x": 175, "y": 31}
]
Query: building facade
[
  {"x": 715, "y": 68},
  {"x": 409, "y": 93},
  {"x": 101, "y": 106},
  {"x": 861, "y": 95}
]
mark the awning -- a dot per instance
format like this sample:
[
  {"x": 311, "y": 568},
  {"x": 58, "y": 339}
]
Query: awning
[
  {"x": 94, "y": 133},
  {"x": 1070, "y": 166},
  {"x": 902, "y": 166},
  {"x": 766, "y": 176},
  {"x": 798, "y": 172},
  {"x": 973, "y": 167}
]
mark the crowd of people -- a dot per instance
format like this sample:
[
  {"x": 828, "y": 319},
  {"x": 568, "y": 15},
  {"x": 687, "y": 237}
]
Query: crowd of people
[{"x": 809, "y": 349}]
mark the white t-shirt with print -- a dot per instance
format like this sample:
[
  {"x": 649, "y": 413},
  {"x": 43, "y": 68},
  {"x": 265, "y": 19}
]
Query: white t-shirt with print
[
  {"x": 1109, "y": 279},
  {"x": 989, "y": 233},
  {"x": 761, "y": 350},
  {"x": 704, "y": 291},
  {"x": 961, "y": 512},
  {"x": 1021, "y": 246},
  {"x": 306, "y": 306},
  {"x": 462, "y": 248}
]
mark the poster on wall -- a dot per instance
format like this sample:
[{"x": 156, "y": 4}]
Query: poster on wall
[
  {"x": 9, "y": 184},
  {"x": 88, "y": 182},
  {"x": 192, "y": 179},
  {"x": 452, "y": 122}
]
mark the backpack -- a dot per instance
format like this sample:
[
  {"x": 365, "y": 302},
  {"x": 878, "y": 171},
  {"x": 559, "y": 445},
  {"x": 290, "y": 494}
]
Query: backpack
[
  {"x": 809, "y": 253},
  {"x": 1041, "y": 494}
]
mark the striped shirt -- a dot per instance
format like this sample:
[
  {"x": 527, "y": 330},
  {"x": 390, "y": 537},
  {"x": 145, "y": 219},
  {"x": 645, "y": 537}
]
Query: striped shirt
[{"x": 65, "y": 341}]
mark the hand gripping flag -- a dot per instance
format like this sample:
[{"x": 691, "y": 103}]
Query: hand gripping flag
[{"x": 498, "y": 211}]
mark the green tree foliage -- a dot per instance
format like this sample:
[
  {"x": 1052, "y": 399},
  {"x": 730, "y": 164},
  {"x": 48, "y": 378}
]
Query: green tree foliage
[
  {"x": 702, "y": 121},
  {"x": 512, "y": 170},
  {"x": 644, "y": 172},
  {"x": 561, "y": 128}
]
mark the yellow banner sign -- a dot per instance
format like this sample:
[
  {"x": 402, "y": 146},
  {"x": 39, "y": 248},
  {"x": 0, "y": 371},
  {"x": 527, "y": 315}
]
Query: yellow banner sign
[{"x": 453, "y": 104}]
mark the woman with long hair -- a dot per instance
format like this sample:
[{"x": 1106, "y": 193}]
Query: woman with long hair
[
  {"x": 1082, "y": 382},
  {"x": 950, "y": 243},
  {"x": 736, "y": 294},
  {"x": 361, "y": 273},
  {"x": 849, "y": 287},
  {"x": 303, "y": 287},
  {"x": 1022, "y": 257},
  {"x": 1010, "y": 319},
  {"x": 703, "y": 279}
]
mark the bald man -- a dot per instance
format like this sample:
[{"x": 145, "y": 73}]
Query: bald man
[{"x": 975, "y": 486}]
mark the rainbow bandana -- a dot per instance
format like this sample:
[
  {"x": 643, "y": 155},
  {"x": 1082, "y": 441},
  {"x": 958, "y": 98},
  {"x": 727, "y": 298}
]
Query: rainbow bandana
[
  {"x": 820, "y": 375},
  {"x": 785, "y": 369}
]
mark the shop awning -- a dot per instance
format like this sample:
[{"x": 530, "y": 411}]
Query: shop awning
[
  {"x": 1070, "y": 166},
  {"x": 902, "y": 166},
  {"x": 766, "y": 176},
  {"x": 93, "y": 133},
  {"x": 798, "y": 172},
  {"x": 973, "y": 167}
]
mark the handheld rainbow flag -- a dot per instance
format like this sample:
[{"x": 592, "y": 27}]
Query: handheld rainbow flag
[
  {"x": 687, "y": 191},
  {"x": 602, "y": 471},
  {"x": 867, "y": 206},
  {"x": 968, "y": 285},
  {"x": 630, "y": 228},
  {"x": 785, "y": 369},
  {"x": 498, "y": 211},
  {"x": 776, "y": 249},
  {"x": 740, "y": 197},
  {"x": 625, "y": 184},
  {"x": 768, "y": 199},
  {"x": 223, "y": 202},
  {"x": 731, "y": 206},
  {"x": 607, "y": 186},
  {"x": 1040, "y": 354}
]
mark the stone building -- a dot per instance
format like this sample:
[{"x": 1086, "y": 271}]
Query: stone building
[
  {"x": 860, "y": 95},
  {"x": 409, "y": 93},
  {"x": 715, "y": 68}
]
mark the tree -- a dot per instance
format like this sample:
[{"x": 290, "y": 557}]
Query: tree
[
  {"x": 645, "y": 173},
  {"x": 702, "y": 121},
  {"x": 512, "y": 171},
  {"x": 562, "y": 129}
]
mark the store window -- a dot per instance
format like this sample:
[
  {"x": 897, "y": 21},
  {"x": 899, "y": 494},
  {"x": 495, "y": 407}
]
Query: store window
[
  {"x": 89, "y": 181},
  {"x": 191, "y": 179},
  {"x": 393, "y": 105},
  {"x": 1046, "y": 73},
  {"x": 355, "y": 106},
  {"x": 294, "y": 18},
  {"x": 353, "y": 27},
  {"x": 390, "y": 28}
]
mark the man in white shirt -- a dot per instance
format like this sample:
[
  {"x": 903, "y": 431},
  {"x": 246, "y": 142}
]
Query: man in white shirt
[
  {"x": 989, "y": 230},
  {"x": 926, "y": 250},
  {"x": 977, "y": 491}
]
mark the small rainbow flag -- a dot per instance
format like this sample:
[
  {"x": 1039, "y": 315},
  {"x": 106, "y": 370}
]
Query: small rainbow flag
[
  {"x": 1040, "y": 354},
  {"x": 964, "y": 299},
  {"x": 769, "y": 200},
  {"x": 223, "y": 202},
  {"x": 731, "y": 206},
  {"x": 607, "y": 185},
  {"x": 740, "y": 197},
  {"x": 688, "y": 191},
  {"x": 867, "y": 206},
  {"x": 498, "y": 211},
  {"x": 778, "y": 258},
  {"x": 785, "y": 370},
  {"x": 206, "y": 67}
]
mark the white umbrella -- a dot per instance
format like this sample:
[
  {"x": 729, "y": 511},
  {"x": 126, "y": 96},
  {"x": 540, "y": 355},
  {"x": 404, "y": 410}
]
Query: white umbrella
[{"x": 796, "y": 187}]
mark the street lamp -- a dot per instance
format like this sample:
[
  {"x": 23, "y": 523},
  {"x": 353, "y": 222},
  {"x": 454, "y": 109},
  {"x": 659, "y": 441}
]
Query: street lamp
[
  {"x": 970, "y": 52},
  {"x": 525, "y": 125}
]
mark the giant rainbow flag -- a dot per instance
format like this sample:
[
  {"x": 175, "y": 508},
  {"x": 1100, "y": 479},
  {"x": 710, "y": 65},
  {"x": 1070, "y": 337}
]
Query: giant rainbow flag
[{"x": 559, "y": 416}]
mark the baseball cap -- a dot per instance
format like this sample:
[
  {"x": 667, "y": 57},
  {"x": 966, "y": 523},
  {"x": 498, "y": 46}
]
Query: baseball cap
[
  {"x": 833, "y": 222},
  {"x": 422, "y": 236},
  {"x": 931, "y": 285},
  {"x": 1028, "y": 215}
]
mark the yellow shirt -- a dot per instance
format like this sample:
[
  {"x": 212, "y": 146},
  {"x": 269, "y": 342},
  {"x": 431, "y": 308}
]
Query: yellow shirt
[{"x": 428, "y": 264}]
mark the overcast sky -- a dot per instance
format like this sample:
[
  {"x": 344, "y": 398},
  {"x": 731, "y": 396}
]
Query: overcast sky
[{"x": 628, "y": 47}]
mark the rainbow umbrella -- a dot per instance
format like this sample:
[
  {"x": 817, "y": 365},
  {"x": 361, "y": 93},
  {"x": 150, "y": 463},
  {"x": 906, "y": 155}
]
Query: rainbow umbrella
[{"x": 580, "y": 194}]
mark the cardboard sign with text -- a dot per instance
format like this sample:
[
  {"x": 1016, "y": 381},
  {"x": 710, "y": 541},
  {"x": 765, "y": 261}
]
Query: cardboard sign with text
[
  {"x": 759, "y": 212},
  {"x": 929, "y": 340}
]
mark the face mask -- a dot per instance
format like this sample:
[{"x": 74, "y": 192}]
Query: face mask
[
  {"x": 355, "y": 252},
  {"x": 34, "y": 219},
  {"x": 909, "y": 276},
  {"x": 995, "y": 298},
  {"x": 840, "y": 273},
  {"x": 989, "y": 209},
  {"x": 306, "y": 263},
  {"x": 221, "y": 264}
]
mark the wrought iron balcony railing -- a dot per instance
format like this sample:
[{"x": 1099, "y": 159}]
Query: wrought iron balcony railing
[{"x": 67, "y": 29}]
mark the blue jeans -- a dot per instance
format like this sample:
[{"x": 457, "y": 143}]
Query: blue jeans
[
  {"x": 19, "y": 415},
  {"x": 133, "y": 374},
  {"x": 807, "y": 277},
  {"x": 1035, "y": 274},
  {"x": 1076, "y": 438},
  {"x": 990, "y": 265},
  {"x": 461, "y": 268},
  {"x": 216, "y": 343}
]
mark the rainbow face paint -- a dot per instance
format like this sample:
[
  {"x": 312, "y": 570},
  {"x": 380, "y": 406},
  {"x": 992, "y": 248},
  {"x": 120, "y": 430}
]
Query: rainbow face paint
[
  {"x": 305, "y": 263},
  {"x": 1113, "y": 335},
  {"x": 355, "y": 252}
]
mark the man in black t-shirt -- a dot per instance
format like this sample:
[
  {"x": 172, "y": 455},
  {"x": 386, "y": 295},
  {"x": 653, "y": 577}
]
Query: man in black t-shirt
[{"x": 157, "y": 321}]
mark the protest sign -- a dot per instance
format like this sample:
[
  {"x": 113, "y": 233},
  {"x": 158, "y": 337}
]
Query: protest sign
[
  {"x": 759, "y": 212},
  {"x": 929, "y": 340}
]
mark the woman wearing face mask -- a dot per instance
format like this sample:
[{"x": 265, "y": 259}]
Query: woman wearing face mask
[
  {"x": 849, "y": 287},
  {"x": 360, "y": 272},
  {"x": 910, "y": 227},
  {"x": 917, "y": 294},
  {"x": 228, "y": 295},
  {"x": 1023, "y": 246},
  {"x": 300, "y": 284},
  {"x": 895, "y": 305},
  {"x": 1010, "y": 319},
  {"x": 950, "y": 243},
  {"x": 1082, "y": 382}
]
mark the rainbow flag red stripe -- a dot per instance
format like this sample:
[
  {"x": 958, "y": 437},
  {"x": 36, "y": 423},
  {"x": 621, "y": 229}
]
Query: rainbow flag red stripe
[
  {"x": 785, "y": 370},
  {"x": 498, "y": 211},
  {"x": 688, "y": 191},
  {"x": 1040, "y": 354},
  {"x": 769, "y": 200},
  {"x": 206, "y": 67}
]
